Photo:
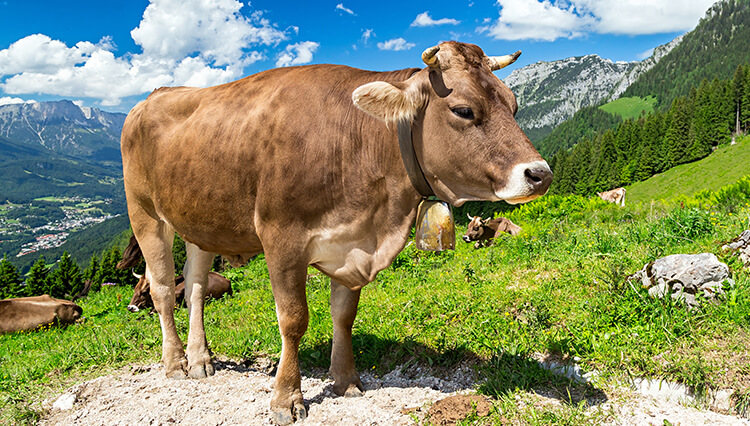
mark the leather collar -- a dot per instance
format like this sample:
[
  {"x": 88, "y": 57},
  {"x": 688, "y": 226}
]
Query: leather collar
[{"x": 411, "y": 163}]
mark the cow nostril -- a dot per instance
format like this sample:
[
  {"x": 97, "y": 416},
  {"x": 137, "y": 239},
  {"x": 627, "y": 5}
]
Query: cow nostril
[{"x": 539, "y": 178}]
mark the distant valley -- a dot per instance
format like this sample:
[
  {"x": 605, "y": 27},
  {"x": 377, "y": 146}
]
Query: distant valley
[{"x": 60, "y": 173}]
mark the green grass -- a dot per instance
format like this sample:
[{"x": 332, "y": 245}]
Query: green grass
[
  {"x": 726, "y": 165},
  {"x": 631, "y": 107},
  {"x": 557, "y": 289}
]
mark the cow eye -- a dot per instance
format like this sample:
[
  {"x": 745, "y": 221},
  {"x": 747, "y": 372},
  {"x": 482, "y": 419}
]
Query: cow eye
[{"x": 463, "y": 112}]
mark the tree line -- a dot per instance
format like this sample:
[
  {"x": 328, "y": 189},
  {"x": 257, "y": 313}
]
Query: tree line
[
  {"x": 637, "y": 149},
  {"x": 65, "y": 278}
]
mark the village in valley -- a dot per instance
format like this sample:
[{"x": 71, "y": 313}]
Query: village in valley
[{"x": 47, "y": 222}]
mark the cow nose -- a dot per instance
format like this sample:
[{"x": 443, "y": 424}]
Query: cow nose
[
  {"x": 539, "y": 177},
  {"x": 466, "y": 238},
  {"x": 133, "y": 308}
]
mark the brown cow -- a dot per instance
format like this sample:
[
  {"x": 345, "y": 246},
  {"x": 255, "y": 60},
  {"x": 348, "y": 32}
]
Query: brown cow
[
  {"x": 28, "y": 313},
  {"x": 218, "y": 286},
  {"x": 483, "y": 231},
  {"x": 305, "y": 164},
  {"x": 616, "y": 196}
]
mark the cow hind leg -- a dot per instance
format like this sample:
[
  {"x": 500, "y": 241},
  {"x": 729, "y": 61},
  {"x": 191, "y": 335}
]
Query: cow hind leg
[
  {"x": 196, "y": 282},
  {"x": 344, "y": 302},
  {"x": 288, "y": 285},
  {"x": 156, "y": 238}
]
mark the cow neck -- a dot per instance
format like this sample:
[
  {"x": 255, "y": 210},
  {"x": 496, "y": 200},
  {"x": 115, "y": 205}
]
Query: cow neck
[{"x": 411, "y": 163}]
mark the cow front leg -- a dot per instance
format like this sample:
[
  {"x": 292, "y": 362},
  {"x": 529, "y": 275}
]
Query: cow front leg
[
  {"x": 344, "y": 302},
  {"x": 288, "y": 284},
  {"x": 196, "y": 283},
  {"x": 155, "y": 239}
]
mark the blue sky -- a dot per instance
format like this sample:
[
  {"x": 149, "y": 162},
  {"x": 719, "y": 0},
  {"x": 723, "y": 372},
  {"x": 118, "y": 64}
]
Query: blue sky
[{"x": 111, "y": 54}]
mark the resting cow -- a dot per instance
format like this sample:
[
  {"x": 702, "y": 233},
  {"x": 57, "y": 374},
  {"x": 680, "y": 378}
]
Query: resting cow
[
  {"x": 305, "y": 164},
  {"x": 28, "y": 313},
  {"x": 218, "y": 286},
  {"x": 616, "y": 196},
  {"x": 484, "y": 231}
]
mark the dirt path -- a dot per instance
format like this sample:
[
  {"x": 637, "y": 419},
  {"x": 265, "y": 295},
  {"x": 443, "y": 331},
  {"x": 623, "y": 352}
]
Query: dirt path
[{"x": 237, "y": 395}]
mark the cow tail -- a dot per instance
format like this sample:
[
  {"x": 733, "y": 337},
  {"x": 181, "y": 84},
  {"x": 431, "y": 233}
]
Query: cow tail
[{"x": 131, "y": 256}]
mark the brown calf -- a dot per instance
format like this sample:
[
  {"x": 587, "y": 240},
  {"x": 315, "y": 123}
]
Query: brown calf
[{"x": 218, "y": 286}]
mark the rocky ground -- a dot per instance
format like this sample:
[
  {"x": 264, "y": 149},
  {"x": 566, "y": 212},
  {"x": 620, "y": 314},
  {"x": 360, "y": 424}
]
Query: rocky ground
[{"x": 239, "y": 394}]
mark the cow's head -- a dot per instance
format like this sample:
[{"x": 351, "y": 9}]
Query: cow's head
[
  {"x": 68, "y": 312},
  {"x": 141, "y": 294},
  {"x": 465, "y": 134},
  {"x": 475, "y": 230}
]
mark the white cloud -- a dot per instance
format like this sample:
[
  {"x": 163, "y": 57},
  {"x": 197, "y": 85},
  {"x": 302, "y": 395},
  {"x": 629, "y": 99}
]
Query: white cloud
[
  {"x": 552, "y": 19},
  {"x": 424, "y": 20},
  {"x": 366, "y": 34},
  {"x": 531, "y": 19},
  {"x": 297, "y": 54},
  {"x": 396, "y": 44},
  {"x": 342, "y": 8},
  {"x": 184, "y": 42},
  {"x": 6, "y": 100},
  {"x": 643, "y": 55}
]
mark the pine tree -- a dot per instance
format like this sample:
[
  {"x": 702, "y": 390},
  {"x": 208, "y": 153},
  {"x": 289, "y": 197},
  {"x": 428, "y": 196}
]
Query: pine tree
[
  {"x": 37, "y": 281},
  {"x": 65, "y": 281},
  {"x": 10, "y": 281},
  {"x": 91, "y": 273}
]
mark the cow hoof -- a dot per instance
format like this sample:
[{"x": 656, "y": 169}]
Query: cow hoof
[
  {"x": 353, "y": 392},
  {"x": 201, "y": 371},
  {"x": 282, "y": 416},
  {"x": 177, "y": 375}
]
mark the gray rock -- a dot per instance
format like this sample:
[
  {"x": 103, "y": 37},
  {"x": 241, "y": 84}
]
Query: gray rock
[
  {"x": 685, "y": 276},
  {"x": 741, "y": 243}
]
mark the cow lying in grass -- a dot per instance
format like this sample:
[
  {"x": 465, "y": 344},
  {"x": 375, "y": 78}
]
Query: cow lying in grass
[
  {"x": 28, "y": 313},
  {"x": 484, "y": 231},
  {"x": 217, "y": 287}
]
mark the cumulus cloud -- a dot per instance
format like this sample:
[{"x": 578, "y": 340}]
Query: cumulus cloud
[
  {"x": 552, "y": 19},
  {"x": 183, "y": 42},
  {"x": 340, "y": 7},
  {"x": 425, "y": 20},
  {"x": 395, "y": 44},
  {"x": 6, "y": 100},
  {"x": 297, "y": 54}
]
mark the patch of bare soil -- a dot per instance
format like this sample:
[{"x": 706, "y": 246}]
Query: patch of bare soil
[{"x": 240, "y": 395}]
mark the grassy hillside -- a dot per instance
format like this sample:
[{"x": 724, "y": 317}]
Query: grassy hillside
[
  {"x": 726, "y": 165},
  {"x": 630, "y": 107},
  {"x": 557, "y": 290}
]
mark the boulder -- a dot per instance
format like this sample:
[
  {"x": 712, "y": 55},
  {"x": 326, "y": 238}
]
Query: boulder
[
  {"x": 685, "y": 276},
  {"x": 741, "y": 243}
]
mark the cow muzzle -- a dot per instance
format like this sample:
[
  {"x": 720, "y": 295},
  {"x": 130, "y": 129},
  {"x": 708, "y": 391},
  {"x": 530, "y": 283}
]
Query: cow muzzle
[
  {"x": 133, "y": 308},
  {"x": 466, "y": 238},
  {"x": 526, "y": 182}
]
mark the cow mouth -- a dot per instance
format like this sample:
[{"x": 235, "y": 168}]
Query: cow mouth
[{"x": 133, "y": 308}]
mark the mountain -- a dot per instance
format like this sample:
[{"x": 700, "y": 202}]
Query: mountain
[
  {"x": 64, "y": 128},
  {"x": 713, "y": 50},
  {"x": 549, "y": 93}
]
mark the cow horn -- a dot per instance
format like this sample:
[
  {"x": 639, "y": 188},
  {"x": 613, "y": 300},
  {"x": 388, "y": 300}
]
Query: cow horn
[
  {"x": 498, "y": 62},
  {"x": 429, "y": 56},
  {"x": 136, "y": 275},
  {"x": 469, "y": 216}
]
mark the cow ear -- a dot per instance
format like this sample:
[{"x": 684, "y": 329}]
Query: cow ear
[{"x": 388, "y": 102}]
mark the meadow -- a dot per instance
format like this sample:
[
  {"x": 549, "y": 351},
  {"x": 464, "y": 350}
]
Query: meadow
[
  {"x": 559, "y": 290},
  {"x": 630, "y": 107}
]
